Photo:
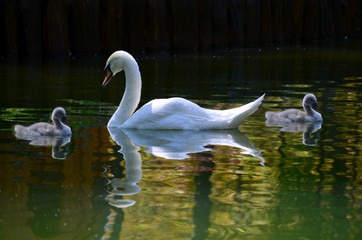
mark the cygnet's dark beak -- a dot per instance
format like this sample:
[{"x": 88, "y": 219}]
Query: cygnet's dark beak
[
  {"x": 64, "y": 119},
  {"x": 315, "y": 106},
  {"x": 108, "y": 76}
]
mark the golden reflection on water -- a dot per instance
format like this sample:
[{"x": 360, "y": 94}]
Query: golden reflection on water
[
  {"x": 220, "y": 192},
  {"x": 217, "y": 193},
  {"x": 242, "y": 197}
]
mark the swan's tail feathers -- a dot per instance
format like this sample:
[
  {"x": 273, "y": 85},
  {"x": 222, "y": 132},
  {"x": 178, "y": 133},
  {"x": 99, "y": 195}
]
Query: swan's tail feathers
[{"x": 247, "y": 110}]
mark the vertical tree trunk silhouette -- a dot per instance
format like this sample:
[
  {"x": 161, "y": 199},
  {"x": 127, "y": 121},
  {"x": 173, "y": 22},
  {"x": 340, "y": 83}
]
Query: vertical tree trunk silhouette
[{"x": 94, "y": 26}]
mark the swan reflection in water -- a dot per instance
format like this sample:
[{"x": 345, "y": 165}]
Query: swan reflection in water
[
  {"x": 59, "y": 144},
  {"x": 170, "y": 144},
  {"x": 175, "y": 144},
  {"x": 306, "y": 127},
  {"x": 119, "y": 187}
]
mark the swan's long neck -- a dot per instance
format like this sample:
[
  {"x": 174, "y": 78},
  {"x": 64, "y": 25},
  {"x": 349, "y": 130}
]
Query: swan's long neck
[
  {"x": 58, "y": 124},
  {"x": 309, "y": 110},
  {"x": 131, "y": 96}
]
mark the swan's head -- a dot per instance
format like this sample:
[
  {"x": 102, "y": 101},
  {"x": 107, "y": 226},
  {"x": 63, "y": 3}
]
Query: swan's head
[
  {"x": 59, "y": 114},
  {"x": 310, "y": 100},
  {"x": 116, "y": 63}
]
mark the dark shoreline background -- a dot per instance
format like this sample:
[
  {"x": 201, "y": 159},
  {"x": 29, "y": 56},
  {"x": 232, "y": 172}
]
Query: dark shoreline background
[{"x": 68, "y": 27}]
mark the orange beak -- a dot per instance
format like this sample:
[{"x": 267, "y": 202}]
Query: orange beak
[{"x": 107, "y": 78}]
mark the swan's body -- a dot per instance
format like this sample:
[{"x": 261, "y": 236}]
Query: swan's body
[
  {"x": 172, "y": 113},
  {"x": 46, "y": 129},
  {"x": 295, "y": 115}
]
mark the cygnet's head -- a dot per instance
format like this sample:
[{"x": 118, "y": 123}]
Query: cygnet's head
[
  {"x": 116, "y": 63},
  {"x": 310, "y": 100},
  {"x": 59, "y": 114}
]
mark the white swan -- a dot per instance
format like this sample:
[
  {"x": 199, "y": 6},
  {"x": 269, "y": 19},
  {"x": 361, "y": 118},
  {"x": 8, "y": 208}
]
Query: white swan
[
  {"x": 46, "y": 129},
  {"x": 171, "y": 113},
  {"x": 295, "y": 115}
]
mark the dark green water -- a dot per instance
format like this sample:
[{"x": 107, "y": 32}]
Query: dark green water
[{"x": 258, "y": 182}]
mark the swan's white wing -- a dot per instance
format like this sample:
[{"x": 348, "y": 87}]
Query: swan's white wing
[
  {"x": 179, "y": 113},
  {"x": 172, "y": 113},
  {"x": 232, "y": 118},
  {"x": 245, "y": 111}
]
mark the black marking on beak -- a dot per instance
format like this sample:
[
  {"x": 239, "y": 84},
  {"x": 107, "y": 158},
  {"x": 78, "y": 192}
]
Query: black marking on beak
[
  {"x": 64, "y": 119},
  {"x": 108, "y": 76},
  {"x": 315, "y": 106}
]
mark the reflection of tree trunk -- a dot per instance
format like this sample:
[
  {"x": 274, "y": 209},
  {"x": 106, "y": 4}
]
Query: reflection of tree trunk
[
  {"x": 113, "y": 227},
  {"x": 333, "y": 184},
  {"x": 203, "y": 204}
]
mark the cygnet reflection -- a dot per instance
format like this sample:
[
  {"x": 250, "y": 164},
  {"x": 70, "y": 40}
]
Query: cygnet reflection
[
  {"x": 58, "y": 143},
  {"x": 307, "y": 128}
]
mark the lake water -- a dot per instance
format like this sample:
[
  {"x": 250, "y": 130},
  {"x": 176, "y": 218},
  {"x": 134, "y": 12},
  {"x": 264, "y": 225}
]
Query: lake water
[{"x": 258, "y": 182}]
